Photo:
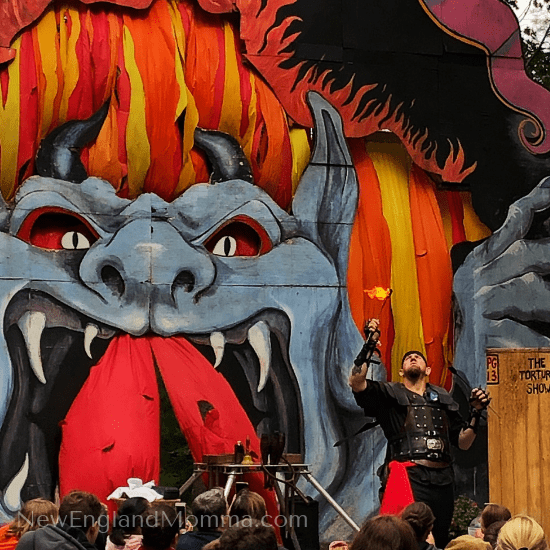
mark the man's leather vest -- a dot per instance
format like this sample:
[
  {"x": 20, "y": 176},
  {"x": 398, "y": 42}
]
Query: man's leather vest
[{"x": 425, "y": 433}]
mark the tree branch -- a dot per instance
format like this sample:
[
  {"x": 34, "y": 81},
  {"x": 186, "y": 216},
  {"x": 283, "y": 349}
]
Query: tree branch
[{"x": 539, "y": 47}]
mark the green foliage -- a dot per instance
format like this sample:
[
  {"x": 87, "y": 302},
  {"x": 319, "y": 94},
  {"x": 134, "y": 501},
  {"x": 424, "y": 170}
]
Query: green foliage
[
  {"x": 538, "y": 61},
  {"x": 535, "y": 38},
  {"x": 465, "y": 511},
  {"x": 175, "y": 457}
]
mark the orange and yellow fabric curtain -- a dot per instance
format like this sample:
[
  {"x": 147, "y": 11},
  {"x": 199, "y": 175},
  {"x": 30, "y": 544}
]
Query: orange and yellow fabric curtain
[{"x": 401, "y": 239}]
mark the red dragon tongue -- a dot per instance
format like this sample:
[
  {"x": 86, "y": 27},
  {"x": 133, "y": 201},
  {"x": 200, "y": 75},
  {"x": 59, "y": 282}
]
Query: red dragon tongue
[
  {"x": 209, "y": 413},
  {"x": 111, "y": 431}
]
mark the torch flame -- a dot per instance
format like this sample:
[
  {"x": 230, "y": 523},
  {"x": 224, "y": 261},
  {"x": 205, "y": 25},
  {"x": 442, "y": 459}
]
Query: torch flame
[{"x": 378, "y": 293}]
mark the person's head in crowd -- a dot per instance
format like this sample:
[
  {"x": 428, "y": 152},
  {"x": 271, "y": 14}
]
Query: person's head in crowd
[
  {"x": 385, "y": 533},
  {"x": 248, "y": 534},
  {"x": 213, "y": 545},
  {"x": 34, "y": 514},
  {"x": 468, "y": 542},
  {"x": 247, "y": 504},
  {"x": 128, "y": 520},
  {"x": 210, "y": 510},
  {"x": 160, "y": 527},
  {"x": 492, "y": 513},
  {"x": 521, "y": 532},
  {"x": 81, "y": 510},
  {"x": 420, "y": 517},
  {"x": 490, "y": 534}
]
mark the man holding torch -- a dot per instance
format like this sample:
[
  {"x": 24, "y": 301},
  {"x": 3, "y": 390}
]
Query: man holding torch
[{"x": 420, "y": 422}]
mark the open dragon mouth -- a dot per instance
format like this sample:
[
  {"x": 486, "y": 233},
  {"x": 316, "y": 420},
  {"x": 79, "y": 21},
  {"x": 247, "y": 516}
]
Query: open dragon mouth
[{"x": 98, "y": 386}]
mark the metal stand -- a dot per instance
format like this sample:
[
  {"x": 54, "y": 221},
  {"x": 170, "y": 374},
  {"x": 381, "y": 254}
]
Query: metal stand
[
  {"x": 331, "y": 501},
  {"x": 290, "y": 474}
]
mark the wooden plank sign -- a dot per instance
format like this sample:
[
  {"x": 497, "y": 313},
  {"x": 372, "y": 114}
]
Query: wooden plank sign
[{"x": 518, "y": 381}]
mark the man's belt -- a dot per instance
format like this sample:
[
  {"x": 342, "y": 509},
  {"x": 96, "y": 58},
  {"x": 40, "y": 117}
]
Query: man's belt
[
  {"x": 434, "y": 444},
  {"x": 431, "y": 463},
  {"x": 415, "y": 446}
]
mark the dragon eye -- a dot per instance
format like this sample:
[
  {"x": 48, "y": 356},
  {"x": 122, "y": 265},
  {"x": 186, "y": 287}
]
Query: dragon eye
[
  {"x": 72, "y": 240},
  {"x": 241, "y": 236},
  {"x": 57, "y": 229},
  {"x": 226, "y": 246}
]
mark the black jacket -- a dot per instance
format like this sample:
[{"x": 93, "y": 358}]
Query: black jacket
[
  {"x": 54, "y": 537},
  {"x": 195, "y": 540}
]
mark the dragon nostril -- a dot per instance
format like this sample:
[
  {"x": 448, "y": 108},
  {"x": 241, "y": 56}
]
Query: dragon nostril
[
  {"x": 113, "y": 280},
  {"x": 185, "y": 280}
]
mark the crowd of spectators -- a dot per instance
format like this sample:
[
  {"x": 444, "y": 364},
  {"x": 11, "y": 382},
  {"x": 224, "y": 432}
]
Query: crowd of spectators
[
  {"x": 412, "y": 531},
  {"x": 140, "y": 525}
]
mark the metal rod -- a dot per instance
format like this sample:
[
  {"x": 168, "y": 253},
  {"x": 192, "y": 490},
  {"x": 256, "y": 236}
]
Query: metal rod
[
  {"x": 331, "y": 501},
  {"x": 190, "y": 482},
  {"x": 281, "y": 498},
  {"x": 230, "y": 480},
  {"x": 294, "y": 539},
  {"x": 284, "y": 505}
]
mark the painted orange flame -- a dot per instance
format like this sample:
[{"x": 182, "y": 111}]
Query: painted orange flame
[{"x": 378, "y": 293}]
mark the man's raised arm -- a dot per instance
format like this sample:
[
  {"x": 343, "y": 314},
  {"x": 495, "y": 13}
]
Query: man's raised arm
[{"x": 358, "y": 376}]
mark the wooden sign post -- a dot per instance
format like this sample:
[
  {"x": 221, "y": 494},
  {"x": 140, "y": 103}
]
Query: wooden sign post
[{"x": 519, "y": 435}]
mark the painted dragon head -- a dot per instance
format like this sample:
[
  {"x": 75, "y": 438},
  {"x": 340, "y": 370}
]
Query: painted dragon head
[{"x": 222, "y": 270}]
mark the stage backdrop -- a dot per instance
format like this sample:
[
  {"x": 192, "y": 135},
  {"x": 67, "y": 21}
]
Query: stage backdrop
[{"x": 235, "y": 266}]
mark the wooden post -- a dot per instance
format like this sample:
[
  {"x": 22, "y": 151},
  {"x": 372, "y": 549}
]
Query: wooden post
[{"x": 519, "y": 443}]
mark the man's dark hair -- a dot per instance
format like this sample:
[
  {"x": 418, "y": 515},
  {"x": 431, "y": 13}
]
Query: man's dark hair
[
  {"x": 209, "y": 508},
  {"x": 129, "y": 519},
  {"x": 160, "y": 526},
  {"x": 80, "y": 510},
  {"x": 248, "y": 534},
  {"x": 492, "y": 513},
  {"x": 420, "y": 517},
  {"x": 411, "y": 352},
  {"x": 247, "y": 504},
  {"x": 385, "y": 533},
  {"x": 490, "y": 534}
]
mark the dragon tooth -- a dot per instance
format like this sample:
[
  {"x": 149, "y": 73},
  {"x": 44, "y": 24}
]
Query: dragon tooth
[
  {"x": 90, "y": 333},
  {"x": 32, "y": 324},
  {"x": 217, "y": 341},
  {"x": 12, "y": 494},
  {"x": 259, "y": 337}
]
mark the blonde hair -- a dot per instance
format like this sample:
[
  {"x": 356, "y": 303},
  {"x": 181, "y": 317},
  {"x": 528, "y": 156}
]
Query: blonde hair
[
  {"x": 35, "y": 513},
  {"x": 521, "y": 532},
  {"x": 467, "y": 542}
]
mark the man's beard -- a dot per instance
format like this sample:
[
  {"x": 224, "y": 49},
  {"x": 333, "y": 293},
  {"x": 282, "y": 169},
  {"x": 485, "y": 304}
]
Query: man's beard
[{"x": 413, "y": 373}]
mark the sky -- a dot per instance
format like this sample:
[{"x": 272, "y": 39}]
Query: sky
[{"x": 524, "y": 12}]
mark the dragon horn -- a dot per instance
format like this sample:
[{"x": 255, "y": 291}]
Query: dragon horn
[
  {"x": 226, "y": 156},
  {"x": 59, "y": 156}
]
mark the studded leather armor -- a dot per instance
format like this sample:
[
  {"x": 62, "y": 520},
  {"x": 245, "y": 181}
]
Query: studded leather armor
[{"x": 425, "y": 433}]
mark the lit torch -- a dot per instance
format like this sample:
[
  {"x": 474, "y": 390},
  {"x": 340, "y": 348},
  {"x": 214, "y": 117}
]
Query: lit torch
[
  {"x": 379, "y": 293},
  {"x": 371, "y": 336}
]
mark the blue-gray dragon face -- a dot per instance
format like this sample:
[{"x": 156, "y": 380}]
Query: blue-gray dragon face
[{"x": 151, "y": 267}]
